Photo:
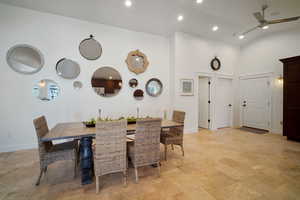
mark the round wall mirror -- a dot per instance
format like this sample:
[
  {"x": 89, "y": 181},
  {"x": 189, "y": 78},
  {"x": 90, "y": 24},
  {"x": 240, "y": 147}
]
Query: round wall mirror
[
  {"x": 77, "y": 85},
  {"x": 137, "y": 62},
  {"x": 46, "y": 90},
  {"x": 138, "y": 94},
  {"x": 106, "y": 82},
  {"x": 25, "y": 59},
  {"x": 90, "y": 48},
  {"x": 154, "y": 87},
  {"x": 67, "y": 68},
  {"x": 133, "y": 83}
]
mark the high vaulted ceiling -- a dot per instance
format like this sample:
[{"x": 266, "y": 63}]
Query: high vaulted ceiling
[{"x": 160, "y": 16}]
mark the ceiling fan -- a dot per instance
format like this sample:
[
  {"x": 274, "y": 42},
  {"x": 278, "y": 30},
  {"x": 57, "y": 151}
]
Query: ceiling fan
[{"x": 263, "y": 23}]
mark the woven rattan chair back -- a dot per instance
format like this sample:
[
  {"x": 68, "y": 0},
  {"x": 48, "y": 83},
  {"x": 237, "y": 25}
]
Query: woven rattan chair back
[
  {"x": 110, "y": 149},
  {"x": 41, "y": 128},
  {"x": 147, "y": 141}
]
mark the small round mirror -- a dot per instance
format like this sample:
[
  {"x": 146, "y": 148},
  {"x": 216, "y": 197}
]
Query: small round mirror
[
  {"x": 90, "y": 48},
  {"x": 133, "y": 83},
  {"x": 138, "y": 94},
  {"x": 154, "y": 87},
  {"x": 46, "y": 90},
  {"x": 77, "y": 85},
  {"x": 67, "y": 68},
  {"x": 106, "y": 82},
  {"x": 25, "y": 59}
]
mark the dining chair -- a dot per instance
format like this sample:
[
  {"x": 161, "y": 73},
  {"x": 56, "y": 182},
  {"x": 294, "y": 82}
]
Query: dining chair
[
  {"x": 174, "y": 136},
  {"x": 50, "y": 153},
  {"x": 145, "y": 150},
  {"x": 110, "y": 149}
]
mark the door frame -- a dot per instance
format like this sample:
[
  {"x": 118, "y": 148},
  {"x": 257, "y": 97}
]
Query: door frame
[
  {"x": 213, "y": 91},
  {"x": 269, "y": 76}
]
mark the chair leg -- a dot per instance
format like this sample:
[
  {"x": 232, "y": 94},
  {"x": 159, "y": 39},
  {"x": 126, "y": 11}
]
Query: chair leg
[
  {"x": 136, "y": 175},
  {"x": 158, "y": 168},
  {"x": 97, "y": 184},
  {"x": 166, "y": 149},
  {"x": 125, "y": 178},
  {"x": 40, "y": 176},
  {"x": 172, "y": 147},
  {"x": 75, "y": 168},
  {"x": 182, "y": 150}
]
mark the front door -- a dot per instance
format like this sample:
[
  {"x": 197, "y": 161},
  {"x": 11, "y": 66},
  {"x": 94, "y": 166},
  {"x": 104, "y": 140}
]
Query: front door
[{"x": 255, "y": 102}]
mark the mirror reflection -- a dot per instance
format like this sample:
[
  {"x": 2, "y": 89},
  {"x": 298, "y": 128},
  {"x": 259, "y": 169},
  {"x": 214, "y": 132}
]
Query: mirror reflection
[
  {"x": 67, "y": 68},
  {"x": 46, "y": 90},
  {"x": 77, "y": 85},
  {"x": 25, "y": 59},
  {"x": 154, "y": 87},
  {"x": 106, "y": 82},
  {"x": 90, "y": 48},
  {"x": 138, "y": 94},
  {"x": 133, "y": 83},
  {"x": 137, "y": 61}
]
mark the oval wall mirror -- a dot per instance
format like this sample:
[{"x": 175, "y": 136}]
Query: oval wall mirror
[
  {"x": 154, "y": 87},
  {"x": 46, "y": 90},
  {"x": 77, "y": 85},
  {"x": 90, "y": 48},
  {"x": 138, "y": 94},
  {"x": 137, "y": 62},
  {"x": 106, "y": 82},
  {"x": 133, "y": 83},
  {"x": 67, "y": 68},
  {"x": 25, "y": 59}
]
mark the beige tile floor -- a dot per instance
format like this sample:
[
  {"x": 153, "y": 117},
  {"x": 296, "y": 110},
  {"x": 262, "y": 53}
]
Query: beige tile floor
[{"x": 225, "y": 164}]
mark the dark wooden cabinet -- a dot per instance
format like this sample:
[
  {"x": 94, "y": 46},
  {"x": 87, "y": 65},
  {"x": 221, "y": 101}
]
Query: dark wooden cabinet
[{"x": 291, "y": 98}]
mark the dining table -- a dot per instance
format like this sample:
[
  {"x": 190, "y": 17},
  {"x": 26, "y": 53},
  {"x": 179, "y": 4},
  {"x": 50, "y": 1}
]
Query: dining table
[{"x": 78, "y": 131}]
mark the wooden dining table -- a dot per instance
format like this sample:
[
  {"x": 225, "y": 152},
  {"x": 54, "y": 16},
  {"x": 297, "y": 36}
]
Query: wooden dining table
[{"x": 77, "y": 130}]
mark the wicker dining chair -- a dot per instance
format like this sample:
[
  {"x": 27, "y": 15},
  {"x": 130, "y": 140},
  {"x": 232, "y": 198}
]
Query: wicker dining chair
[
  {"x": 50, "y": 153},
  {"x": 145, "y": 150},
  {"x": 174, "y": 136},
  {"x": 110, "y": 149}
]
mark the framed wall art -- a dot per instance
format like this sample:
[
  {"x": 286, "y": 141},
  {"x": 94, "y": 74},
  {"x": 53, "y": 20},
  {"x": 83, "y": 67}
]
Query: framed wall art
[{"x": 186, "y": 87}]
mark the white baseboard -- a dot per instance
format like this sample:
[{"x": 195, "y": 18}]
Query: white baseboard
[
  {"x": 191, "y": 131},
  {"x": 11, "y": 148}
]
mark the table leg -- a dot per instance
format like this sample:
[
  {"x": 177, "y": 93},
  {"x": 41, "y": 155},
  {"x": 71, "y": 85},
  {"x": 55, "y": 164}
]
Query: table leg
[{"x": 86, "y": 160}]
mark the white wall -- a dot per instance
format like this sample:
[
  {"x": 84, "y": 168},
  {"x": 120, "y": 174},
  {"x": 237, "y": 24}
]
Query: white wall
[
  {"x": 262, "y": 55},
  {"x": 59, "y": 37},
  {"x": 192, "y": 57}
]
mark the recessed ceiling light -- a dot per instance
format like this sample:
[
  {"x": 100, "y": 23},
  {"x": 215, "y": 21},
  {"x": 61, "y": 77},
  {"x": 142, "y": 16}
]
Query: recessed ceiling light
[
  {"x": 180, "y": 18},
  {"x": 241, "y": 37},
  {"x": 128, "y": 3},
  {"x": 215, "y": 28},
  {"x": 265, "y": 27},
  {"x": 110, "y": 77},
  {"x": 199, "y": 1}
]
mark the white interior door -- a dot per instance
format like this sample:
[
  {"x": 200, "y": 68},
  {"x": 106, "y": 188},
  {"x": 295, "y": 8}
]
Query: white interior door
[
  {"x": 203, "y": 102},
  {"x": 255, "y": 102},
  {"x": 224, "y": 103}
]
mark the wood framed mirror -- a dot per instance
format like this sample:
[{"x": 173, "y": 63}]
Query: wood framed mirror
[{"x": 137, "y": 62}]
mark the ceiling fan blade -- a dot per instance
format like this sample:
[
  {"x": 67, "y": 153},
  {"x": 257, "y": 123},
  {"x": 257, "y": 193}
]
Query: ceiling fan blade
[
  {"x": 278, "y": 21},
  {"x": 259, "y": 17},
  {"x": 250, "y": 30}
]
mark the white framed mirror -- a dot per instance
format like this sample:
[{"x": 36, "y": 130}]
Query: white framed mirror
[{"x": 25, "y": 59}]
